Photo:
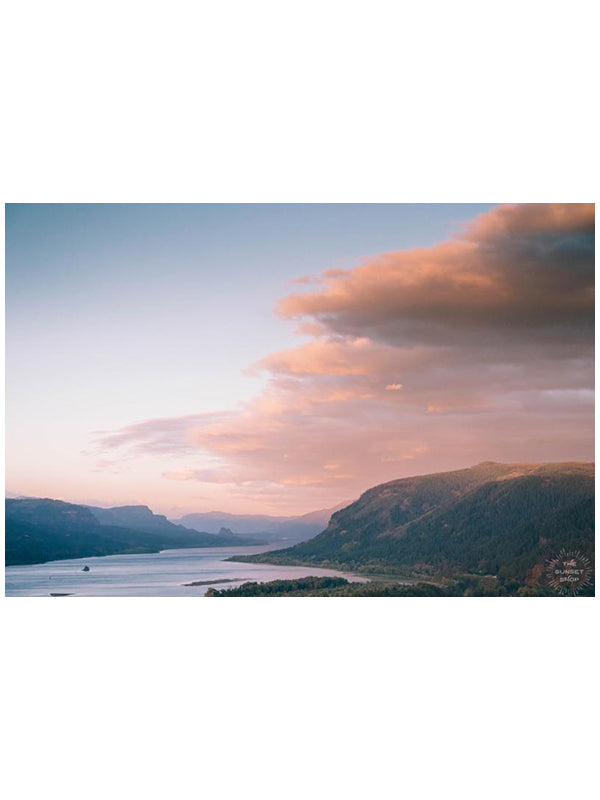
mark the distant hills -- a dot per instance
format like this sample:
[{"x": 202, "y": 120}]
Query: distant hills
[
  {"x": 491, "y": 519},
  {"x": 139, "y": 518},
  {"x": 295, "y": 528},
  {"x": 39, "y": 530}
]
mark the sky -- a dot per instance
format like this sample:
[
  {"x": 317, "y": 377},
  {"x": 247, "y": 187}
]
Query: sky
[{"x": 284, "y": 358}]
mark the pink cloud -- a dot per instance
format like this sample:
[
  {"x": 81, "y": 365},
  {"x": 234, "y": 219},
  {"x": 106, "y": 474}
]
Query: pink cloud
[
  {"x": 516, "y": 269},
  {"x": 479, "y": 348}
]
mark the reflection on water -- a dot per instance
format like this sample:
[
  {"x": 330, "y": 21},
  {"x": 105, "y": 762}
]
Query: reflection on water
[{"x": 149, "y": 574}]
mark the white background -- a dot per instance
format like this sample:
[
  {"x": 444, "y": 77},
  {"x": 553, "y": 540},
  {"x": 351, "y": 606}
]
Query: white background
[{"x": 281, "y": 101}]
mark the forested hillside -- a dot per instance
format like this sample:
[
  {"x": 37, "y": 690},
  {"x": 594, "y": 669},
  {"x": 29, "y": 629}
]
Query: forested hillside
[
  {"x": 39, "y": 530},
  {"x": 497, "y": 519}
]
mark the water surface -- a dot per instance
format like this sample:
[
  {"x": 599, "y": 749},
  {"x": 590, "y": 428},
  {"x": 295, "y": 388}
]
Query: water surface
[{"x": 151, "y": 574}]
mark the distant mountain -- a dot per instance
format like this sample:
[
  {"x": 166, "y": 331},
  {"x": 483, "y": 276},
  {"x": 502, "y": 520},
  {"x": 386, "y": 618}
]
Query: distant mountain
[
  {"x": 141, "y": 518},
  {"x": 212, "y": 521},
  {"x": 296, "y": 528},
  {"x": 39, "y": 530},
  {"x": 499, "y": 519}
]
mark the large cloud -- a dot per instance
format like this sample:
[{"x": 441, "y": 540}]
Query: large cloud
[
  {"x": 516, "y": 271},
  {"x": 479, "y": 348}
]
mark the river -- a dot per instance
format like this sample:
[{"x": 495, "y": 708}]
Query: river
[{"x": 150, "y": 574}]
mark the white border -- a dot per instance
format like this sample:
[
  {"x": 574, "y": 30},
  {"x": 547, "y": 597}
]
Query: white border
[{"x": 304, "y": 102}]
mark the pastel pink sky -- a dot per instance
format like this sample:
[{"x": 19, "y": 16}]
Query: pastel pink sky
[{"x": 479, "y": 347}]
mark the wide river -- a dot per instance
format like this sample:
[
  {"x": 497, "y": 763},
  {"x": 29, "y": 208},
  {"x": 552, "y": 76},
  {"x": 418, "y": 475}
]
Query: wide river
[{"x": 150, "y": 574}]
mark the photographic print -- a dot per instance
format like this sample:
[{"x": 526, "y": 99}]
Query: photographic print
[{"x": 315, "y": 400}]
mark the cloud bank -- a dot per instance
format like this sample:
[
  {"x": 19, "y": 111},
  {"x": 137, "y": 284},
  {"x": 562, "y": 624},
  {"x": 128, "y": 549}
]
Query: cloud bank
[{"x": 419, "y": 360}]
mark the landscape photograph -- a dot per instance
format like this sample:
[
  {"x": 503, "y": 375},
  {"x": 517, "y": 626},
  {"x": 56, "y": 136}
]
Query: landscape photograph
[
  {"x": 266, "y": 340},
  {"x": 300, "y": 400}
]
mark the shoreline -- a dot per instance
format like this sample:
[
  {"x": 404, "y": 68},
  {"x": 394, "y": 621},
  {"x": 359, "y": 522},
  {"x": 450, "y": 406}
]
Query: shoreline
[{"x": 371, "y": 575}]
